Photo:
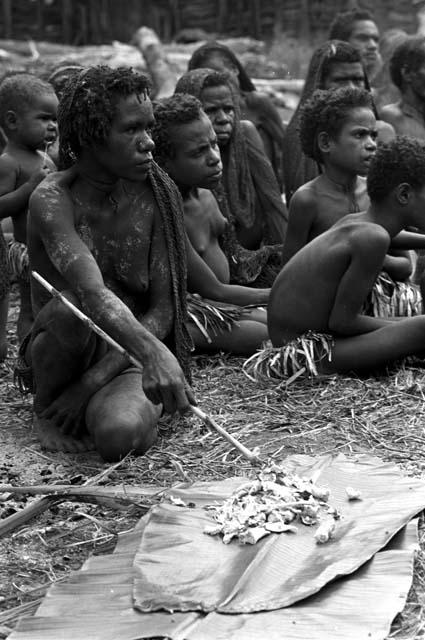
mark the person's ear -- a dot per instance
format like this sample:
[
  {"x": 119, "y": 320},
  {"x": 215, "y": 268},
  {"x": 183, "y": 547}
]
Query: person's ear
[
  {"x": 403, "y": 193},
  {"x": 406, "y": 75},
  {"x": 323, "y": 141},
  {"x": 11, "y": 120}
]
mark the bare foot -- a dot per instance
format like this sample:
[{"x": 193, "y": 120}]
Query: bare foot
[
  {"x": 3, "y": 351},
  {"x": 53, "y": 440}
]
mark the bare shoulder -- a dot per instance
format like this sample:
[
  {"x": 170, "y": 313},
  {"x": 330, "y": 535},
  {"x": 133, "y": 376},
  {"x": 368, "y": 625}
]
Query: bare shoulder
[
  {"x": 367, "y": 237},
  {"x": 386, "y": 131},
  {"x": 391, "y": 113},
  {"x": 51, "y": 196},
  {"x": 8, "y": 163},
  {"x": 305, "y": 197},
  {"x": 250, "y": 132}
]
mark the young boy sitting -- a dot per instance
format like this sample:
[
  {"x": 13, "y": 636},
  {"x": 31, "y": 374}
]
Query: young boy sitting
[
  {"x": 338, "y": 130},
  {"x": 315, "y": 304},
  {"x": 186, "y": 147},
  {"x": 28, "y": 108}
]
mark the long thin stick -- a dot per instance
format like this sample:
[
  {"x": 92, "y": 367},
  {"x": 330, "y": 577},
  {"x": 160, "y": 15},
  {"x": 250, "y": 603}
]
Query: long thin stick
[{"x": 247, "y": 453}]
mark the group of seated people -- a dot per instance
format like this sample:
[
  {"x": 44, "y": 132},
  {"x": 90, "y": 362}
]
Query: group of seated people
[{"x": 165, "y": 225}]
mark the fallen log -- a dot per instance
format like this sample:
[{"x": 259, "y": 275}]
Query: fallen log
[{"x": 163, "y": 76}]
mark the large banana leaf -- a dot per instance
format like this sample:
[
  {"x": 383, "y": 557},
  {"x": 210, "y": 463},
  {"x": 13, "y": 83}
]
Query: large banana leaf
[
  {"x": 358, "y": 607},
  {"x": 179, "y": 568}
]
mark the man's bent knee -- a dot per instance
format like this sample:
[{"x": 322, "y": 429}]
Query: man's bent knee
[
  {"x": 57, "y": 319},
  {"x": 116, "y": 436}
]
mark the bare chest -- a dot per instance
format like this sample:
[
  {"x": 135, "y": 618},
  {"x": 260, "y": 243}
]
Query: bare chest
[
  {"x": 203, "y": 221},
  {"x": 332, "y": 205},
  {"x": 120, "y": 243}
]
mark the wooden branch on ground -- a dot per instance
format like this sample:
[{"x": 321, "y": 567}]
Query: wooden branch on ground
[{"x": 120, "y": 497}]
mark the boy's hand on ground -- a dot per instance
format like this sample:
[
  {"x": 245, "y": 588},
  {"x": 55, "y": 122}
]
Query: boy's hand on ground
[
  {"x": 67, "y": 412},
  {"x": 164, "y": 382}
]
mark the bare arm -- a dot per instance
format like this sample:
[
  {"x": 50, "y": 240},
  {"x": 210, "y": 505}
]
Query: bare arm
[
  {"x": 363, "y": 266},
  {"x": 398, "y": 265},
  {"x": 201, "y": 279},
  {"x": 302, "y": 213},
  {"x": 160, "y": 315},
  {"x": 13, "y": 201},
  {"x": 408, "y": 240}
]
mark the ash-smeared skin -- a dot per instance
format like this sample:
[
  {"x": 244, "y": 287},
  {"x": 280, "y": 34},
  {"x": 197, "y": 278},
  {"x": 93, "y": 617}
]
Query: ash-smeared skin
[{"x": 128, "y": 273}]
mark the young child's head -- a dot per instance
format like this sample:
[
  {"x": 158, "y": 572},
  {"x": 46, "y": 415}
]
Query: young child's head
[
  {"x": 28, "y": 110},
  {"x": 185, "y": 142},
  {"x": 90, "y": 103},
  {"x": 339, "y": 127},
  {"x": 398, "y": 165},
  {"x": 405, "y": 63},
  {"x": 217, "y": 96}
]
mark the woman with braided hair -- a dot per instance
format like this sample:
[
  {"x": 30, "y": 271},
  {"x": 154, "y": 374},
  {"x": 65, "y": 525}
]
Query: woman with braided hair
[
  {"x": 109, "y": 233},
  {"x": 248, "y": 195}
]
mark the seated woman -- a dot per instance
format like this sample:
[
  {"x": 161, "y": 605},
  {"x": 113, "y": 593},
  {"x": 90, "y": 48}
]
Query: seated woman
[
  {"x": 250, "y": 189},
  {"x": 254, "y": 105},
  {"x": 186, "y": 148}
]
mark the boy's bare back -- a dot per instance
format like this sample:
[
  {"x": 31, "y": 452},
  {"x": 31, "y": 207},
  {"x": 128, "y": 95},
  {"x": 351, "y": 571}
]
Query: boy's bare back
[{"x": 322, "y": 288}]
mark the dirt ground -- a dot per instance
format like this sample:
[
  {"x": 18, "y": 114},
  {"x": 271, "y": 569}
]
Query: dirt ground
[{"x": 380, "y": 415}]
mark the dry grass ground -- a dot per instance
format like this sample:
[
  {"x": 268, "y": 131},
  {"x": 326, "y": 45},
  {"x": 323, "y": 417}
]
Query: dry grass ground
[{"x": 379, "y": 415}]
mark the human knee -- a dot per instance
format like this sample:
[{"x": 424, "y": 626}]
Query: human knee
[
  {"x": 55, "y": 317},
  {"x": 116, "y": 436}
]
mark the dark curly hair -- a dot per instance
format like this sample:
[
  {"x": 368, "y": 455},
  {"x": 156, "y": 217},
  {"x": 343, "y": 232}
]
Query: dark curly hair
[
  {"x": 400, "y": 160},
  {"x": 343, "y": 23},
  {"x": 18, "y": 90},
  {"x": 409, "y": 55},
  {"x": 169, "y": 113},
  {"x": 88, "y": 106},
  {"x": 327, "y": 111}
]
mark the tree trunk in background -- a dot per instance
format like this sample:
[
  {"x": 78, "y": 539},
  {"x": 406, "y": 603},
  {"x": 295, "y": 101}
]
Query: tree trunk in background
[
  {"x": 163, "y": 77},
  {"x": 66, "y": 15},
  {"x": 7, "y": 19}
]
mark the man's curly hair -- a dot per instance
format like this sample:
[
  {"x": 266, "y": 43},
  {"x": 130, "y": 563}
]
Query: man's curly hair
[
  {"x": 88, "y": 106},
  {"x": 326, "y": 111},
  {"x": 170, "y": 113},
  {"x": 18, "y": 90},
  {"x": 343, "y": 23},
  {"x": 400, "y": 160},
  {"x": 408, "y": 56}
]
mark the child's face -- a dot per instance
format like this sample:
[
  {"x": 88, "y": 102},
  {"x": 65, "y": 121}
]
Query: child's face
[
  {"x": 37, "y": 125},
  {"x": 353, "y": 148},
  {"x": 196, "y": 161},
  {"x": 127, "y": 151},
  {"x": 217, "y": 102},
  {"x": 344, "y": 74}
]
